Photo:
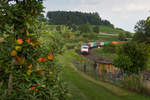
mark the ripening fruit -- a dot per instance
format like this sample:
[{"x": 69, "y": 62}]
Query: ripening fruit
[
  {"x": 50, "y": 56},
  {"x": 18, "y": 59},
  {"x": 1, "y": 41},
  {"x": 37, "y": 43},
  {"x": 36, "y": 90},
  {"x": 32, "y": 44},
  {"x": 41, "y": 59},
  {"x": 23, "y": 60},
  {"x": 33, "y": 87},
  {"x": 50, "y": 73},
  {"x": 28, "y": 40},
  {"x": 41, "y": 72},
  {"x": 13, "y": 53},
  {"x": 22, "y": 31},
  {"x": 69, "y": 35},
  {"x": 18, "y": 48},
  {"x": 29, "y": 72},
  {"x": 19, "y": 41},
  {"x": 30, "y": 66}
]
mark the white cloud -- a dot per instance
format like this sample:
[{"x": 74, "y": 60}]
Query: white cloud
[
  {"x": 136, "y": 7},
  {"x": 116, "y": 9}
]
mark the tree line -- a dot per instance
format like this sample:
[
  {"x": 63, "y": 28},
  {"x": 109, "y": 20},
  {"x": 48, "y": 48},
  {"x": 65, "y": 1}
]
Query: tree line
[{"x": 77, "y": 18}]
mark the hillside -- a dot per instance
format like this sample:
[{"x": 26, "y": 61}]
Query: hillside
[
  {"x": 77, "y": 18},
  {"x": 80, "y": 85}
]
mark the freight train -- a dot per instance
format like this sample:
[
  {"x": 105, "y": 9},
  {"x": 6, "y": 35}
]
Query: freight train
[{"x": 86, "y": 46}]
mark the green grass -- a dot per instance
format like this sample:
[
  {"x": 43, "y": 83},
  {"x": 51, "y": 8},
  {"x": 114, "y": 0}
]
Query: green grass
[
  {"x": 109, "y": 30},
  {"x": 83, "y": 89},
  {"x": 100, "y": 37},
  {"x": 103, "y": 37},
  {"x": 110, "y": 56}
]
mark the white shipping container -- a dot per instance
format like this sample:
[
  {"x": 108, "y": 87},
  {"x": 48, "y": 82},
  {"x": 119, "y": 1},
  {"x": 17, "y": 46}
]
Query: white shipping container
[
  {"x": 91, "y": 44},
  {"x": 102, "y": 43}
]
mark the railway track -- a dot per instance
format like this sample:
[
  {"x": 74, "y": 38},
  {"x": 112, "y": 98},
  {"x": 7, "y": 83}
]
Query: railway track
[{"x": 94, "y": 57}]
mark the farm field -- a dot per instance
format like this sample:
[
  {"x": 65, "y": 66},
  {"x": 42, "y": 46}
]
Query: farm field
[{"x": 83, "y": 87}]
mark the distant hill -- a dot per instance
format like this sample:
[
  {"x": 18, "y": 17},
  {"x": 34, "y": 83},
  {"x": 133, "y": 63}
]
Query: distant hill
[{"x": 77, "y": 18}]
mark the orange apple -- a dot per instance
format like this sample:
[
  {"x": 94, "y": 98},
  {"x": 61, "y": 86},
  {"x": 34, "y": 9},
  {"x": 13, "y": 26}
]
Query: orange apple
[
  {"x": 37, "y": 43},
  {"x": 18, "y": 48},
  {"x": 51, "y": 56},
  {"x": 22, "y": 31},
  {"x": 28, "y": 40},
  {"x": 13, "y": 53},
  {"x": 30, "y": 66},
  {"x": 20, "y": 41}
]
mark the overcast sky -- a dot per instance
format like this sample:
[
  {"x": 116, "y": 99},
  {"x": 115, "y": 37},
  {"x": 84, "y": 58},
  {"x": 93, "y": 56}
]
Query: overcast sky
[{"x": 122, "y": 13}]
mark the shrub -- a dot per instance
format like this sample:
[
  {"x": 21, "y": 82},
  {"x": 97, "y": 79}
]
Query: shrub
[
  {"x": 110, "y": 48},
  {"x": 96, "y": 29},
  {"x": 85, "y": 28},
  {"x": 122, "y": 37},
  {"x": 132, "y": 58}
]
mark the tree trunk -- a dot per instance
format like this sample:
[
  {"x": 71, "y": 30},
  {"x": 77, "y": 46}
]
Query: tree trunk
[{"x": 10, "y": 81}]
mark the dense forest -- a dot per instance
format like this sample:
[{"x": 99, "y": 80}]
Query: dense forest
[{"x": 77, "y": 18}]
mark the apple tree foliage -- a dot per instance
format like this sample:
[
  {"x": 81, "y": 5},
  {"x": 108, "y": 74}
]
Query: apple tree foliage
[{"x": 28, "y": 68}]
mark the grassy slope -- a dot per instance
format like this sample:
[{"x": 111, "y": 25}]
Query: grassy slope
[
  {"x": 106, "y": 55},
  {"x": 83, "y": 88},
  {"x": 104, "y": 37},
  {"x": 109, "y": 30}
]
